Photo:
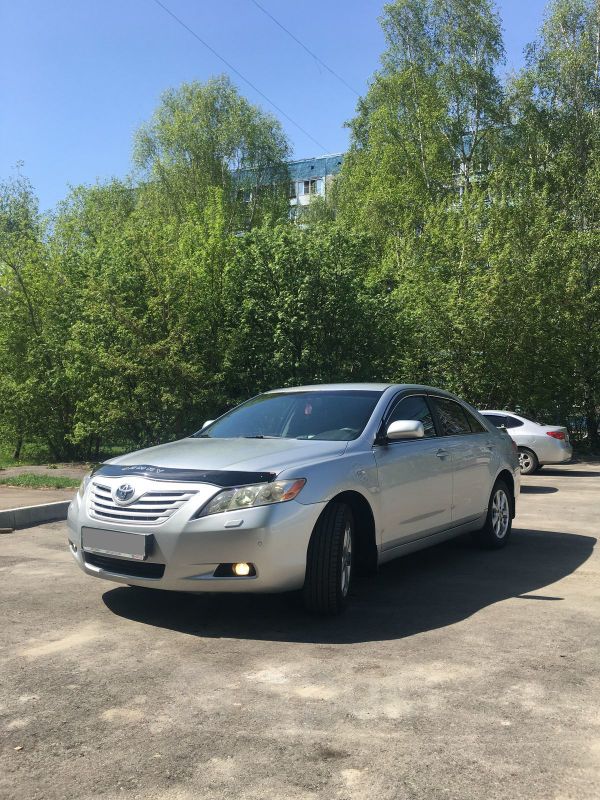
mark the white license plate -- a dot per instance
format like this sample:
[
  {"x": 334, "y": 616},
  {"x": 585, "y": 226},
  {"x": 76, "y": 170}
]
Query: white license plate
[{"x": 116, "y": 543}]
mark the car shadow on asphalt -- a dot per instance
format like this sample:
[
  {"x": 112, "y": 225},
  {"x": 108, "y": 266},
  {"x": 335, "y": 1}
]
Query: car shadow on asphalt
[
  {"x": 529, "y": 489},
  {"x": 430, "y": 589},
  {"x": 569, "y": 473}
]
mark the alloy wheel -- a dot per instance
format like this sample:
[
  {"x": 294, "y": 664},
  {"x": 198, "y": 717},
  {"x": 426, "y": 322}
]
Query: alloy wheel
[
  {"x": 525, "y": 461},
  {"x": 346, "y": 558},
  {"x": 500, "y": 514}
]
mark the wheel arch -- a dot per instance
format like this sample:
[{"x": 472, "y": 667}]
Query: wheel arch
[
  {"x": 508, "y": 478},
  {"x": 527, "y": 447},
  {"x": 365, "y": 535}
]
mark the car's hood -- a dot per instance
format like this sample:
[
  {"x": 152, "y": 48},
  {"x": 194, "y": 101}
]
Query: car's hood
[{"x": 256, "y": 455}]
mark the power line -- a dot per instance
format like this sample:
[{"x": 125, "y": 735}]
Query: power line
[
  {"x": 304, "y": 47},
  {"x": 239, "y": 74}
]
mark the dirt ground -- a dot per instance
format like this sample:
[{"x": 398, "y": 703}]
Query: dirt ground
[
  {"x": 18, "y": 496},
  {"x": 55, "y": 470},
  {"x": 456, "y": 674}
]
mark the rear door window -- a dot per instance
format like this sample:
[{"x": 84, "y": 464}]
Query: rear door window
[
  {"x": 513, "y": 422},
  {"x": 452, "y": 417},
  {"x": 496, "y": 419}
]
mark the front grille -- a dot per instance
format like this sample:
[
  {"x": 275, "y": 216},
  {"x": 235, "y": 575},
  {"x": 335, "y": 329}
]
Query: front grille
[
  {"x": 151, "y": 508},
  {"x": 135, "y": 569}
]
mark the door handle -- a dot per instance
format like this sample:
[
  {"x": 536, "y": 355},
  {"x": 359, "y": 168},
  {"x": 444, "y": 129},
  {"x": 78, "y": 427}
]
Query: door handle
[{"x": 441, "y": 453}]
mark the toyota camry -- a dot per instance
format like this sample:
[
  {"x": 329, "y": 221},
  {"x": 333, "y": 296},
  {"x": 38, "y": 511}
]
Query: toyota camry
[{"x": 298, "y": 489}]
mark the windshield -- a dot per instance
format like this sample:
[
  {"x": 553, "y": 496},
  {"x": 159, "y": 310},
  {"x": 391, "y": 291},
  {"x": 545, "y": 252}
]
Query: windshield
[{"x": 331, "y": 416}]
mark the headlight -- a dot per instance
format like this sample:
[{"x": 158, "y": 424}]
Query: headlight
[
  {"x": 84, "y": 484},
  {"x": 258, "y": 494}
]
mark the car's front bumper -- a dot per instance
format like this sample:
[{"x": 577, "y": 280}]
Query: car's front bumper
[{"x": 273, "y": 538}]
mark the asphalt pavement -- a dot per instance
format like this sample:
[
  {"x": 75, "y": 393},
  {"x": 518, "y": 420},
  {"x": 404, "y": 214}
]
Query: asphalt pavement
[{"x": 456, "y": 674}]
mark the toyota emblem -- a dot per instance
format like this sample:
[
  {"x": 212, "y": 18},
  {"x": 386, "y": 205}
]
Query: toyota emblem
[{"x": 124, "y": 492}]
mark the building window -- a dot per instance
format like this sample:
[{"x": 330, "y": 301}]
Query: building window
[{"x": 311, "y": 186}]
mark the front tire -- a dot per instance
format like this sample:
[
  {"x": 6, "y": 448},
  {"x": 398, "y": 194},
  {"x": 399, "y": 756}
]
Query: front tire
[
  {"x": 498, "y": 522},
  {"x": 329, "y": 561},
  {"x": 528, "y": 461}
]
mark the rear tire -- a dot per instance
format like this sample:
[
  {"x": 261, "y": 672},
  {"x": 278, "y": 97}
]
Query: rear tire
[
  {"x": 329, "y": 561},
  {"x": 528, "y": 461},
  {"x": 498, "y": 522}
]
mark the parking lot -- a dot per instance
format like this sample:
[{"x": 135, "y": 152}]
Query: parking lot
[{"x": 456, "y": 673}]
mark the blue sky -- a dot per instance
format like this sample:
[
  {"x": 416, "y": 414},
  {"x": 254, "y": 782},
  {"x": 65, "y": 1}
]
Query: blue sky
[{"x": 78, "y": 77}]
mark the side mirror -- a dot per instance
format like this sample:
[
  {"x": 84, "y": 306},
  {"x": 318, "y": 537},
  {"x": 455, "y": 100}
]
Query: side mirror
[
  {"x": 405, "y": 429},
  {"x": 207, "y": 423}
]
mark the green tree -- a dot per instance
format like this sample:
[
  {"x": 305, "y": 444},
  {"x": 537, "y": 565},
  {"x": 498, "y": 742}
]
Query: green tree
[
  {"x": 424, "y": 129},
  {"x": 147, "y": 344},
  {"x": 417, "y": 178},
  {"x": 207, "y": 136},
  {"x": 37, "y": 305},
  {"x": 300, "y": 310},
  {"x": 556, "y": 156}
]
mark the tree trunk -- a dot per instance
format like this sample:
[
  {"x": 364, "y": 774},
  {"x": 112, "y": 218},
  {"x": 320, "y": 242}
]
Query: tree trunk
[
  {"x": 591, "y": 421},
  {"x": 18, "y": 448}
]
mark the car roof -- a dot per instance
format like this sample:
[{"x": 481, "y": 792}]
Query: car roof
[
  {"x": 496, "y": 411},
  {"x": 372, "y": 387}
]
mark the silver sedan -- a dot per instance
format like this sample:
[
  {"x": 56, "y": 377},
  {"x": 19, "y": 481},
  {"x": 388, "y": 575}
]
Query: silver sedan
[
  {"x": 537, "y": 444},
  {"x": 298, "y": 489}
]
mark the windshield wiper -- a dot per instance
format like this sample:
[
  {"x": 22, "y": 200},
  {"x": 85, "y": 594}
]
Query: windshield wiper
[{"x": 261, "y": 436}]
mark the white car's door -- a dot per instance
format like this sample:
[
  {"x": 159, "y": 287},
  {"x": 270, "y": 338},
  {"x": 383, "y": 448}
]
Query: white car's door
[
  {"x": 474, "y": 457},
  {"x": 523, "y": 432},
  {"x": 415, "y": 478}
]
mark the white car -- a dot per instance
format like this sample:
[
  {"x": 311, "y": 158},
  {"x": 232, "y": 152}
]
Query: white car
[{"x": 537, "y": 444}]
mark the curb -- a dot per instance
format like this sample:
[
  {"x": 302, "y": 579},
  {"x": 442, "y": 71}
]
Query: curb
[{"x": 28, "y": 516}]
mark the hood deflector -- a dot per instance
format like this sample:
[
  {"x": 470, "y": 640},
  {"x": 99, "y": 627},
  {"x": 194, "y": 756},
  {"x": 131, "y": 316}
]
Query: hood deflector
[{"x": 218, "y": 477}]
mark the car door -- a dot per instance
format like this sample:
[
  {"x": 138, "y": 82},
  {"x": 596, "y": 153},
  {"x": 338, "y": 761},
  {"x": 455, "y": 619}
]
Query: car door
[
  {"x": 472, "y": 450},
  {"x": 415, "y": 477},
  {"x": 518, "y": 431}
]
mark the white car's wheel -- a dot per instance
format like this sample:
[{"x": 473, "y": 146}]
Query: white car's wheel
[{"x": 528, "y": 461}]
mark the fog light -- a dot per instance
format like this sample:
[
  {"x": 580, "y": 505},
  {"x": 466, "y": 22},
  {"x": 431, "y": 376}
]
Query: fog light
[{"x": 239, "y": 569}]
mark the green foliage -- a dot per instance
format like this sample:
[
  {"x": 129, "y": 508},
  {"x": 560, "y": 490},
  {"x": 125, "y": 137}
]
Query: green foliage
[
  {"x": 461, "y": 248},
  {"x": 37, "y": 302},
  {"x": 425, "y": 128},
  {"x": 301, "y": 310},
  {"x": 206, "y": 136},
  {"x": 557, "y": 157},
  {"x": 152, "y": 309},
  {"x": 485, "y": 204}
]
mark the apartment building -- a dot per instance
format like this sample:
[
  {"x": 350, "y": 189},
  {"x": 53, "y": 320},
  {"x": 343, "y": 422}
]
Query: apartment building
[{"x": 312, "y": 177}]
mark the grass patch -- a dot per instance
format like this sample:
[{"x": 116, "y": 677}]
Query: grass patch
[
  {"x": 31, "y": 453},
  {"x": 28, "y": 480}
]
